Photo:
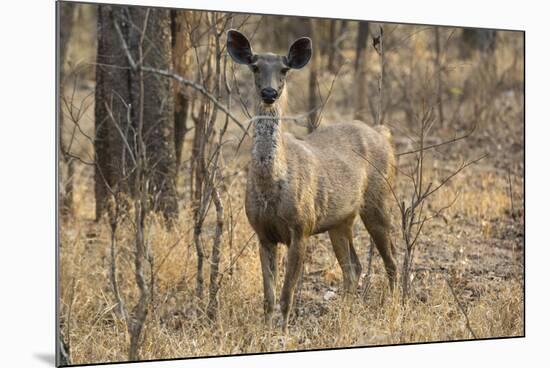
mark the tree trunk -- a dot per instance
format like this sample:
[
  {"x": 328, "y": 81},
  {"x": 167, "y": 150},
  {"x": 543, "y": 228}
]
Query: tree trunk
[
  {"x": 181, "y": 58},
  {"x": 200, "y": 174},
  {"x": 482, "y": 40},
  {"x": 439, "y": 77},
  {"x": 120, "y": 106},
  {"x": 378, "y": 44},
  {"x": 340, "y": 29},
  {"x": 66, "y": 20},
  {"x": 339, "y": 59},
  {"x": 343, "y": 26},
  {"x": 360, "y": 103},
  {"x": 332, "y": 46},
  {"x": 313, "y": 88}
]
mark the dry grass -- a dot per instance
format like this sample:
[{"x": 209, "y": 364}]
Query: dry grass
[
  {"x": 178, "y": 327},
  {"x": 477, "y": 244}
]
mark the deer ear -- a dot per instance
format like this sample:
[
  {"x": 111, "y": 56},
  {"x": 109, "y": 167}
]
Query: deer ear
[
  {"x": 239, "y": 47},
  {"x": 299, "y": 53}
]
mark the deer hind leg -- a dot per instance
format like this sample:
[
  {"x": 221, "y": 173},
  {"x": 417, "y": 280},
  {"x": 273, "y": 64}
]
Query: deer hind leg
[
  {"x": 269, "y": 261},
  {"x": 341, "y": 238},
  {"x": 377, "y": 221}
]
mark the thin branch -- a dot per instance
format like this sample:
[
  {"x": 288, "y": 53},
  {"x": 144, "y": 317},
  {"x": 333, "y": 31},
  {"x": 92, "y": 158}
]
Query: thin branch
[
  {"x": 461, "y": 308},
  {"x": 234, "y": 260},
  {"x": 462, "y": 167},
  {"x": 453, "y": 140},
  {"x": 114, "y": 282},
  {"x": 122, "y": 135},
  {"x": 179, "y": 78},
  {"x": 511, "y": 193},
  {"x": 369, "y": 267},
  {"x": 325, "y": 100}
]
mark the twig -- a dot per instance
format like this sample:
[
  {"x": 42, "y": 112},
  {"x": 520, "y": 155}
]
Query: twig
[
  {"x": 511, "y": 195},
  {"x": 170, "y": 249},
  {"x": 114, "y": 282},
  {"x": 447, "y": 179},
  {"x": 234, "y": 260},
  {"x": 212, "y": 308},
  {"x": 461, "y": 308},
  {"x": 69, "y": 316},
  {"x": 453, "y": 140},
  {"x": 325, "y": 100},
  {"x": 369, "y": 267}
]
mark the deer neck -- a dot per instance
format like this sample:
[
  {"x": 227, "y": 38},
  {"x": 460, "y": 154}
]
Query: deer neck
[{"x": 268, "y": 163}]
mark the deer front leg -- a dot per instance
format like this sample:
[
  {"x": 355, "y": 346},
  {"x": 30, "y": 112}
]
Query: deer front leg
[
  {"x": 269, "y": 260},
  {"x": 295, "y": 262}
]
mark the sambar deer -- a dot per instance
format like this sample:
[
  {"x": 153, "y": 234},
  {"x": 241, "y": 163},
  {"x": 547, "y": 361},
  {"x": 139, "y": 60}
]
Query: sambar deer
[{"x": 297, "y": 188}]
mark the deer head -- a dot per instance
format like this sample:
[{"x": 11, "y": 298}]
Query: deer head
[{"x": 270, "y": 70}]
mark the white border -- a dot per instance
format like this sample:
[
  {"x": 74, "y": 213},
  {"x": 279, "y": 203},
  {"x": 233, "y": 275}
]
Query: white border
[{"x": 27, "y": 180}]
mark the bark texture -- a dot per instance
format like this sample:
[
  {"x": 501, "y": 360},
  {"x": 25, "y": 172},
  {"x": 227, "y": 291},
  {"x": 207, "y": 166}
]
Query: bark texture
[{"x": 120, "y": 105}]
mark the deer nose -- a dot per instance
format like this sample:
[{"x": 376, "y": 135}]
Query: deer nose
[{"x": 268, "y": 95}]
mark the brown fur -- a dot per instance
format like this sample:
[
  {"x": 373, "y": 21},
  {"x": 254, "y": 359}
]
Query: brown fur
[{"x": 298, "y": 188}]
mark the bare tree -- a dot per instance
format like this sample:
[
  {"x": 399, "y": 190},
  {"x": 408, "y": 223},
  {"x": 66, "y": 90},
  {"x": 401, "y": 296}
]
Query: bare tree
[
  {"x": 66, "y": 20},
  {"x": 143, "y": 257},
  {"x": 360, "y": 85},
  {"x": 378, "y": 44},
  {"x": 212, "y": 309},
  {"x": 412, "y": 209},
  {"x": 181, "y": 56},
  {"x": 482, "y": 40},
  {"x": 438, "y": 71},
  {"x": 412, "y": 206},
  {"x": 122, "y": 96},
  {"x": 200, "y": 195},
  {"x": 343, "y": 26},
  {"x": 142, "y": 133},
  {"x": 206, "y": 154},
  {"x": 332, "y": 51},
  {"x": 313, "y": 85}
]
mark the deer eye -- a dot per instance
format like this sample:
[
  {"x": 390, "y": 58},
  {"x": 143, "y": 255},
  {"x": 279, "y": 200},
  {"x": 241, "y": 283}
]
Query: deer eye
[
  {"x": 285, "y": 70},
  {"x": 254, "y": 68}
]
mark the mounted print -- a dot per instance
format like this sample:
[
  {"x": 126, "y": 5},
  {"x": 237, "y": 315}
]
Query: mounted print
[{"x": 235, "y": 183}]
